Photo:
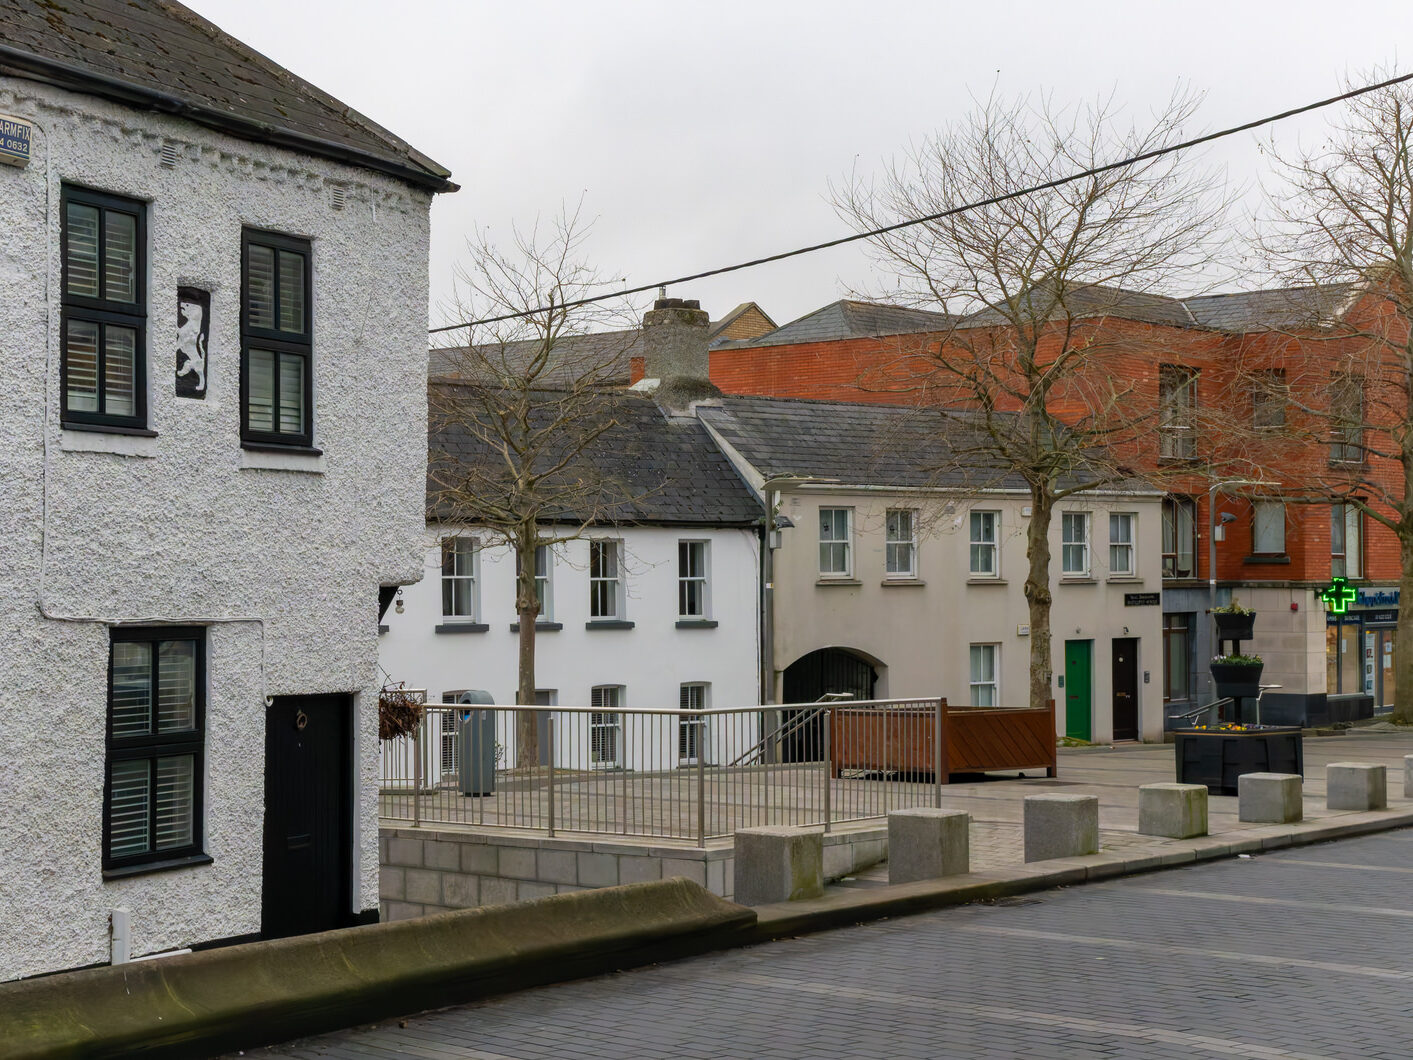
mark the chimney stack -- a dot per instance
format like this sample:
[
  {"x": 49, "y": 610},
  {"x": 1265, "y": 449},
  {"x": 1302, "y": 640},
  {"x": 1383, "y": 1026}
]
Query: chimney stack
[{"x": 675, "y": 339}]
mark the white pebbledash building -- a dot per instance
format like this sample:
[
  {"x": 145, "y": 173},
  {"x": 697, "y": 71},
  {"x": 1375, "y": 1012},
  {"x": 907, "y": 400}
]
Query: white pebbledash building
[{"x": 213, "y": 290}]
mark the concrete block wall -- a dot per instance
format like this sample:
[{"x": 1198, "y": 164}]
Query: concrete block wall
[{"x": 426, "y": 871}]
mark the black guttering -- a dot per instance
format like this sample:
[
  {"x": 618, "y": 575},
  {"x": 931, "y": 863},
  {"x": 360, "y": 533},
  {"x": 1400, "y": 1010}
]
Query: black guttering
[{"x": 25, "y": 64}]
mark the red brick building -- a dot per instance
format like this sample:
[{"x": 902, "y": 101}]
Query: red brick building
[{"x": 1232, "y": 398}]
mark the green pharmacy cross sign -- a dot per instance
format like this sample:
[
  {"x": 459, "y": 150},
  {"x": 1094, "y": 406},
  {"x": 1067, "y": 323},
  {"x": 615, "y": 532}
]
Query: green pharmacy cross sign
[{"x": 1339, "y": 595}]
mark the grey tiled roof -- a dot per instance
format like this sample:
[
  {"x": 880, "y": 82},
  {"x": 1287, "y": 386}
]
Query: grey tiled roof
[
  {"x": 847, "y": 442},
  {"x": 1239, "y": 311},
  {"x": 856, "y": 444},
  {"x": 850, "y": 320},
  {"x": 669, "y": 466},
  {"x": 161, "y": 55},
  {"x": 605, "y": 355}
]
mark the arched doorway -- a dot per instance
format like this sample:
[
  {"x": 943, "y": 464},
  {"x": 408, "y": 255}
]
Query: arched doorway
[{"x": 809, "y": 678}]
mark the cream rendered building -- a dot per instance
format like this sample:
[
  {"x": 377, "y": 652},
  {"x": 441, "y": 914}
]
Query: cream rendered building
[{"x": 892, "y": 581}]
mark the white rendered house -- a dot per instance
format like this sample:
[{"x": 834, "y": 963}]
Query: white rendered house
[
  {"x": 659, "y": 610},
  {"x": 212, "y": 442}
]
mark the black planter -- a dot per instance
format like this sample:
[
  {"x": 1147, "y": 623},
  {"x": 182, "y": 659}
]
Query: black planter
[
  {"x": 1216, "y": 759},
  {"x": 1236, "y": 680},
  {"x": 1234, "y": 627}
]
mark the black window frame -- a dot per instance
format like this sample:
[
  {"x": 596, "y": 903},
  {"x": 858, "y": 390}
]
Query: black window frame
[
  {"x": 152, "y": 746},
  {"x": 103, "y": 311},
  {"x": 279, "y": 341}
]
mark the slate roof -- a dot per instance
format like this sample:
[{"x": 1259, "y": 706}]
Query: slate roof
[
  {"x": 847, "y": 319},
  {"x": 847, "y": 442},
  {"x": 1239, "y": 311},
  {"x": 670, "y": 466},
  {"x": 609, "y": 354},
  {"x": 854, "y": 444},
  {"x": 160, "y": 55}
]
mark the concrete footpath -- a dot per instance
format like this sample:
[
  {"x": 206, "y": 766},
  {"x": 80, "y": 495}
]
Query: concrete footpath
[{"x": 243, "y": 996}]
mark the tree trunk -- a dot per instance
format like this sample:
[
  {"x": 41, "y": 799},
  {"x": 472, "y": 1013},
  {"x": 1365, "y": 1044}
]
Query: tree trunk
[
  {"x": 1403, "y": 638},
  {"x": 527, "y": 608},
  {"x": 1037, "y": 594}
]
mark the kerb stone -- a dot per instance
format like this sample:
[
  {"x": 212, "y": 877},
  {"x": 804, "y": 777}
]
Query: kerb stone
[
  {"x": 1269, "y": 798},
  {"x": 926, "y": 844},
  {"x": 778, "y": 865},
  {"x": 1356, "y": 786},
  {"x": 1061, "y": 826},
  {"x": 1178, "y": 811}
]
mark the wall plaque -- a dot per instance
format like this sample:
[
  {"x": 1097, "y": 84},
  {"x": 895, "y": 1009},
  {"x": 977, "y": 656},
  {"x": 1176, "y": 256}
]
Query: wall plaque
[
  {"x": 14, "y": 140},
  {"x": 193, "y": 332}
]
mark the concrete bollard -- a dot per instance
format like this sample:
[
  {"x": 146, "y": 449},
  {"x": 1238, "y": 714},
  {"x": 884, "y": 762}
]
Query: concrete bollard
[
  {"x": 778, "y": 865},
  {"x": 1269, "y": 798},
  {"x": 1061, "y": 826},
  {"x": 1178, "y": 811},
  {"x": 1356, "y": 786},
  {"x": 924, "y": 844}
]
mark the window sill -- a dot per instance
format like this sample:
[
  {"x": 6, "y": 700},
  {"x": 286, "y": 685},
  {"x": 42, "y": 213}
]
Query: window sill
[
  {"x": 282, "y": 458},
  {"x": 540, "y": 627},
  {"x": 461, "y": 627},
  {"x": 903, "y": 583},
  {"x": 609, "y": 623},
  {"x": 839, "y": 581},
  {"x": 696, "y": 623},
  {"x": 986, "y": 581},
  {"x": 1272, "y": 559},
  {"x": 103, "y": 428},
  {"x": 157, "y": 866},
  {"x": 85, "y": 438}
]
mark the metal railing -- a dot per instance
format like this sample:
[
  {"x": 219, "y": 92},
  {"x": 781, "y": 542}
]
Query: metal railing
[{"x": 662, "y": 773}]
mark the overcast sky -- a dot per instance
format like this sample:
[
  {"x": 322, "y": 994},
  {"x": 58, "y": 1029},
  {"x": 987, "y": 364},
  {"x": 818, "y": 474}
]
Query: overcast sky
[{"x": 702, "y": 134}]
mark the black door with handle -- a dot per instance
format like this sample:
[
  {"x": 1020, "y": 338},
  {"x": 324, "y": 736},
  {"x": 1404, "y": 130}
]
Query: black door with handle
[
  {"x": 1126, "y": 688},
  {"x": 308, "y": 815}
]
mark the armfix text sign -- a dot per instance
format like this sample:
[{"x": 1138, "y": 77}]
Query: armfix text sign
[{"x": 14, "y": 141}]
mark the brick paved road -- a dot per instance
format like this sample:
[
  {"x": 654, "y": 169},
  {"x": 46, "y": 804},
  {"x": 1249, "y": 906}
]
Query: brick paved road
[{"x": 1298, "y": 953}]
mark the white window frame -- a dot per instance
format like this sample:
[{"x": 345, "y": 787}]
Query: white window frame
[
  {"x": 900, "y": 543},
  {"x": 605, "y": 589},
  {"x": 984, "y": 668},
  {"x": 457, "y": 548},
  {"x": 835, "y": 546},
  {"x": 1069, "y": 543},
  {"x": 1261, "y": 513},
  {"x": 694, "y": 579},
  {"x": 1123, "y": 544},
  {"x": 605, "y": 726},
  {"x": 981, "y": 546},
  {"x": 1346, "y": 541},
  {"x": 693, "y": 701}
]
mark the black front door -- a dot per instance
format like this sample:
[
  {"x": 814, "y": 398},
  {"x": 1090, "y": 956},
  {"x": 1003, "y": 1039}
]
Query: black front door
[
  {"x": 1125, "y": 688},
  {"x": 308, "y": 815}
]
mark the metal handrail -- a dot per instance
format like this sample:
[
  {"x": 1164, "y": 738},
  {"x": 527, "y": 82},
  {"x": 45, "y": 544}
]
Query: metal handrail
[{"x": 797, "y": 721}]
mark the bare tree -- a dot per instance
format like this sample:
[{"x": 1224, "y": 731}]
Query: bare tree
[
  {"x": 1341, "y": 225},
  {"x": 520, "y": 412},
  {"x": 1045, "y": 293}
]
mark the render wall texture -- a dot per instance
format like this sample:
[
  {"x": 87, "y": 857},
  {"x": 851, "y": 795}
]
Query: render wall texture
[
  {"x": 651, "y": 660},
  {"x": 281, "y": 556},
  {"x": 917, "y": 632}
]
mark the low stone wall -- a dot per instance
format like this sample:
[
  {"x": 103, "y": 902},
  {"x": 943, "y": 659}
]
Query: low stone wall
[{"x": 427, "y": 871}]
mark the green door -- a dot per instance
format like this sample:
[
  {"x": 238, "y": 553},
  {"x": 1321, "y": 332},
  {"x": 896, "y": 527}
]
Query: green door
[{"x": 1078, "y": 702}]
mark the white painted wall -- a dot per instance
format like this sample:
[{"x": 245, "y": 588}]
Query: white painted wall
[
  {"x": 920, "y": 631},
  {"x": 652, "y": 660},
  {"x": 281, "y": 557}
]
